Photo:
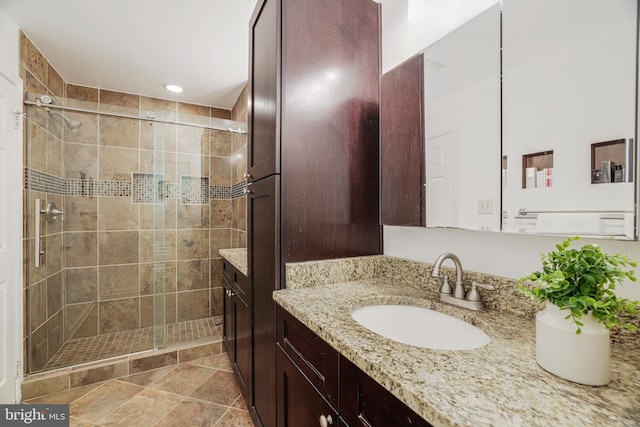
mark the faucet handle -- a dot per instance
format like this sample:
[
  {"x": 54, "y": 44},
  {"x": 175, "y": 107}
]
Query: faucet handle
[{"x": 473, "y": 294}]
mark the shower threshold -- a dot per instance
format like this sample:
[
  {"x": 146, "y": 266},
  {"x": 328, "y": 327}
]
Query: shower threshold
[{"x": 90, "y": 349}]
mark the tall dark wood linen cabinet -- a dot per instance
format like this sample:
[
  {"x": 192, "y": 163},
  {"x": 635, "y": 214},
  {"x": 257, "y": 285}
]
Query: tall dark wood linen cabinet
[{"x": 313, "y": 180}]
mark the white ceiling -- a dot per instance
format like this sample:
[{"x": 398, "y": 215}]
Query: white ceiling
[{"x": 135, "y": 46}]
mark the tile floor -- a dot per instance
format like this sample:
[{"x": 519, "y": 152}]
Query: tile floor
[
  {"x": 83, "y": 350},
  {"x": 202, "y": 392}
]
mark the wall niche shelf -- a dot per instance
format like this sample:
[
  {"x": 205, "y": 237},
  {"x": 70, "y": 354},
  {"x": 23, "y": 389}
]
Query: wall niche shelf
[
  {"x": 611, "y": 161},
  {"x": 536, "y": 169}
]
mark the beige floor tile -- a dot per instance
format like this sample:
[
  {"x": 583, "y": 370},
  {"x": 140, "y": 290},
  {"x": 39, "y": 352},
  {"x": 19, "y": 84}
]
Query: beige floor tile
[
  {"x": 219, "y": 361},
  {"x": 219, "y": 388},
  {"x": 193, "y": 413},
  {"x": 184, "y": 379},
  {"x": 235, "y": 418},
  {"x": 144, "y": 409},
  {"x": 103, "y": 400},
  {"x": 149, "y": 377}
]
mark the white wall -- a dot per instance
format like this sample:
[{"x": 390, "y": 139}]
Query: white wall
[
  {"x": 9, "y": 55},
  {"x": 402, "y": 39}
]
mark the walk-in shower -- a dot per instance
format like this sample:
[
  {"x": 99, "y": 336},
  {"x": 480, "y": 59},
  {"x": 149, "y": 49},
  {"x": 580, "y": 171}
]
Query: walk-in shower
[{"x": 128, "y": 203}]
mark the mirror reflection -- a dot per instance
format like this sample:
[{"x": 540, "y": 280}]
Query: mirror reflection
[
  {"x": 462, "y": 125},
  {"x": 569, "y": 108},
  {"x": 552, "y": 148}
]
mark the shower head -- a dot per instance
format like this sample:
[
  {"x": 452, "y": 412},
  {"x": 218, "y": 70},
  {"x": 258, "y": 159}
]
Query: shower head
[{"x": 73, "y": 125}]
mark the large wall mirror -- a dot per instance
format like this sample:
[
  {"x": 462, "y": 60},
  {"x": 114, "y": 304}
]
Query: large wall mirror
[{"x": 539, "y": 137}]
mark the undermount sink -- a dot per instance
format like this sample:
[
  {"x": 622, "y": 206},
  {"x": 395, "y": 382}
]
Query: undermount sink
[{"x": 420, "y": 327}]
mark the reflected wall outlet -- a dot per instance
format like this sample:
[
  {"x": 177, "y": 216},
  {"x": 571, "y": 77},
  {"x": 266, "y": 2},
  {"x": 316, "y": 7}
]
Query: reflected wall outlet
[{"x": 485, "y": 206}]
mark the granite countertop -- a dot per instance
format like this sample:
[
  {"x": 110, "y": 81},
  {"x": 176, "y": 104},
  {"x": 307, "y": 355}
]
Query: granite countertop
[
  {"x": 237, "y": 257},
  {"x": 499, "y": 384}
]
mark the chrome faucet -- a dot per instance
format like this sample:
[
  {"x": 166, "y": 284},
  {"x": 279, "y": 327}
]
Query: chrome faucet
[{"x": 459, "y": 296}]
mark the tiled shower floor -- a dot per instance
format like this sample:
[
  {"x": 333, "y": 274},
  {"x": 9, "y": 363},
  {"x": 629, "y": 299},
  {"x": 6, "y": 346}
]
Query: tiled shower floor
[{"x": 83, "y": 350}]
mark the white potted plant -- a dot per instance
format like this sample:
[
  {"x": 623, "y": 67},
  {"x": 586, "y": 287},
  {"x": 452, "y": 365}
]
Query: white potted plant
[{"x": 572, "y": 332}]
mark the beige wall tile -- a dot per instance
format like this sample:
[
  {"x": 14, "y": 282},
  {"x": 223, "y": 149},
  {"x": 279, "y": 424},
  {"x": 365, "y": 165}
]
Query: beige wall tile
[
  {"x": 32, "y": 89},
  {"x": 55, "y": 82},
  {"x": 117, "y": 163},
  {"x": 119, "y": 132},
  {"x": 192, "y": 140},
  {"x": 118, "y": 247},
  {"x": 119, "y": 102},
  {"x": 82, "y": 97},
  {"x": 240, "y": 213},
  {"x": 81, "y": 285},
  {"x": 193, "y": 244},
  {"x": 54, "y": 293},
  {"x": 81, "y": 249},
  {"x": 33, "y": 60},
  {"x": 238, "y": 239},
  {"x": 38, "y": 352},
  {"x": 220, "y": 213},
  {"x": 192, "y": 165},
  {"x": 220, "y": 113},
  {"x": 81, "y": 320},
  {"x": 55, "y": 333},
  {"x": 193, "y": 305},
  {"x": 217, "y": 297},
  {"x": 55, "y": 253},
  {"x": 58, "y": 225},
  {"x": 193, "y": 216},
  {"x": 158, "y": 136},
  {"x": 220, "y": 143},
  {"x": 239, "y": 164},
  {"x": 146, "y": 312},
  {"x": 194, "y": 113},
  {"x": 193, "y": 275},
  {"x": 118, "y": 213},
  {"x": 119, "y": 315},
  {"x": 162, "y": 108},
  {"x": 38, "y": 304},
  {"x": 81, "y": 213},
  {"x": 37, "y": 156},
  {"x": 54, "y": 155},
  {"x": 170, "y": 304},
  {"x": 240, "y": 105},
  {"x": 118, "y": 281},
  {"x": 220, "y": 172},
  {"x": 80, "y": 161},
  {"x": 219, "y": 239}
]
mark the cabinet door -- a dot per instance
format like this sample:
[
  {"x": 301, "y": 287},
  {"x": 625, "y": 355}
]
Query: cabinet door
[
  {"x": 299, "y": 403},
  {"x": 228, "y": 320},
  {"x": 263, "y": 156},
  {"x": 242, "y": 343},
  {"x": 364, "y": 402},
  {"x": 264, "y": 266},
  {"x": 402, "y": 144}
]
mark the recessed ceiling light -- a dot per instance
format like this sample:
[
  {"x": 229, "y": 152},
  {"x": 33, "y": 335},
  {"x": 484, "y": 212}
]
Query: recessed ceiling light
[{"x": 172, "y": 88}]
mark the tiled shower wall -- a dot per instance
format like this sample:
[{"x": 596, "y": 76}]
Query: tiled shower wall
[{"x": 96, "y": 275}]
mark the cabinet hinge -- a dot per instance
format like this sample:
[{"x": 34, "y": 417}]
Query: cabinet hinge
[{"x": 18, "y": 118}]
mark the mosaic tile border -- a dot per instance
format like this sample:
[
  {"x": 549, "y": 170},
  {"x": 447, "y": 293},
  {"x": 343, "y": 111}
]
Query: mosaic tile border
[{"x": 142, "y": 188}]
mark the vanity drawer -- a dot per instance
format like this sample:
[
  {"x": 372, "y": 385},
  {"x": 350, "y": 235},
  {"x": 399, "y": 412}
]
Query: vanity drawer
[
  {"x": 238, "y": 281},
  {"x": 317, "y": 360}
]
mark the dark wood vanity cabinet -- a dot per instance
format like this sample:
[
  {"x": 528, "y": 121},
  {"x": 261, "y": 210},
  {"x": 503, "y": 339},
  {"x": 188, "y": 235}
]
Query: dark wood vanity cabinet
[
  {"x": 237, "y": 324},
  {"x": 313, "y": 143},
  {"x": 402, "y": 145},
  {"x": 315, "y": 381}
]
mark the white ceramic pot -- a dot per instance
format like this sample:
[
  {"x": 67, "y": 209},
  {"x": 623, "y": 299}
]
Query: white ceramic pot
[{"x": 584, "y": 358}]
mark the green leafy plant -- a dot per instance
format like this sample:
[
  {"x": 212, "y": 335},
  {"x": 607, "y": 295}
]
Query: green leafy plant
[{"x": 582, "y": 281}]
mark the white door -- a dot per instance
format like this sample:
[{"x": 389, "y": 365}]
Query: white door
[
  {"x": 441, "y": 185},
  {"x": 10, "y": 237}
]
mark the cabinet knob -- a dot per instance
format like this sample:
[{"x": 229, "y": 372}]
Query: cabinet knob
[
  {"x": 230, "y": 293},
  {"x": 326, "y": 421},
  {"x": 247, "y": 175},
  {"x": 247, "y": 191}
]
